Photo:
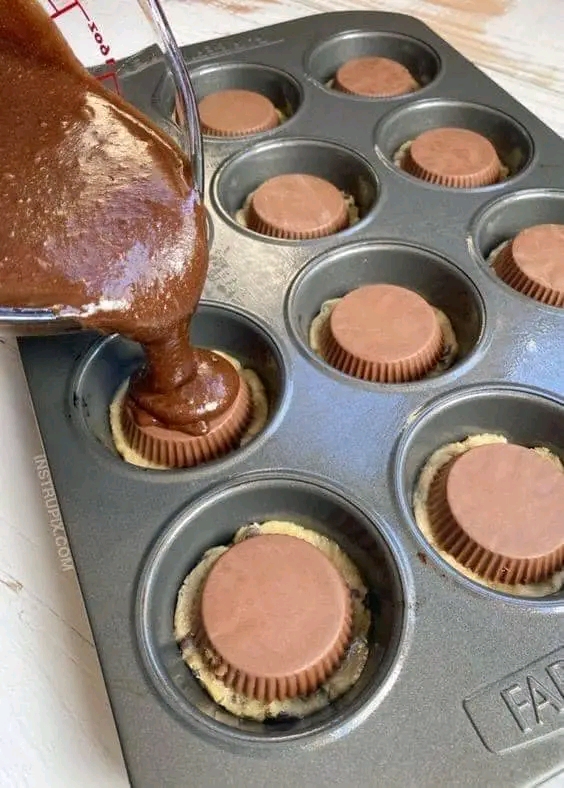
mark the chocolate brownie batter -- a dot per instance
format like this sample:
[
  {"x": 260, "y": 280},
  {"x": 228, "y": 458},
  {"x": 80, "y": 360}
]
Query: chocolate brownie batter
[{"x": 101, "y": 221}]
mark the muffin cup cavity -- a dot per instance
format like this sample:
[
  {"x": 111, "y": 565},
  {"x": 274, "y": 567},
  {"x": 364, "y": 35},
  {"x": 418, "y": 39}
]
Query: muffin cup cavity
[
  {"x": 111, "y": 361},
  {"x": 395, "y": 133},
  {"x": 279, "y": 87},
  {"x": 333, "y": 274},
  {"x": 213, "y": 521},
  {"x": 242, "y": 174},
  {"x": 451, "y": 425},
  {"x": 327, "y": 57},
  {"x": 494, "y": 228}
]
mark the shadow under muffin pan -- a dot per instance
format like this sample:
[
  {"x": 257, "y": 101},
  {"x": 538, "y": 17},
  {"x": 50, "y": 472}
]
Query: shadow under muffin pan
[
  {"x": 325, "y": 59},
  {"x": 112, "y": 360},
  {"x": 510, "y": 139},
  {"x": 342, "y": 270},
  {"x": 340, "y": 456},
  {"x": 213, "y": 521}
]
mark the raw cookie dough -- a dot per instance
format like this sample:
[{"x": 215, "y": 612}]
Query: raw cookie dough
[
  {"x": 434, "y": 464},
  {"x": 340, "y": 681},
  {"x": 258, "y": 419},
  {"x": 450, "y": 343},
  {"x": 491, "y": 258}
]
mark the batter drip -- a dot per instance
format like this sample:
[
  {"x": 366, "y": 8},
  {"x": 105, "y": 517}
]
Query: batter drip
[{"x": 101, "y": 221}]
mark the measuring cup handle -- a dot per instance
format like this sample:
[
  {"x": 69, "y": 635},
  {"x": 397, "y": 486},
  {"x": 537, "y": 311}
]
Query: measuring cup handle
[{"x": 186, "y": 104}]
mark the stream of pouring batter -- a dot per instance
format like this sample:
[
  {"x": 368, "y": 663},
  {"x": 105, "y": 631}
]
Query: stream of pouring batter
[{"x": 100, "y": 220}]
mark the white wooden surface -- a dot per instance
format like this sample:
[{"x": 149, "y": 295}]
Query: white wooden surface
[{"x": 56, "y": 728}]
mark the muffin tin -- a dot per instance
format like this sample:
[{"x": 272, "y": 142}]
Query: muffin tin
[{"x": 464, "y": 686}]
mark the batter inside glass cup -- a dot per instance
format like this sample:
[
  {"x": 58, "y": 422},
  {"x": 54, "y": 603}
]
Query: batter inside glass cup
[{"x": 104, "y": 221}]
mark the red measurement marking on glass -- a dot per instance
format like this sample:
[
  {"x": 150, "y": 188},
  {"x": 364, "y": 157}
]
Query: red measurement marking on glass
[
  {"x": 61, "y": 7},
  {"x": 112, "y": 76}
]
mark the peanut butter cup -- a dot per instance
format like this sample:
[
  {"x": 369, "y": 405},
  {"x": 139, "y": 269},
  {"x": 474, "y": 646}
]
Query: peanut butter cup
[
  {"x": 375, "y": 77},
  {"x": 275, "y": 617},
  {"x": 453, "y": 157},
  {"x": 498, "y": 509},
  {"x": 382, "y": 333},
  {"x": 236, "y": 113},
  {"x": 533, "y": 263},
  {"x": 297, "y": 206},
  {"x": 165, "y": 446}
]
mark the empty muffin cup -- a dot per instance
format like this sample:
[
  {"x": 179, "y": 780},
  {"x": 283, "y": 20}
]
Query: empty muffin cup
[
  {"x": 382, "y": 333},
  {"x": 236, "y": 113},
  {"x": 275, "y": 617},
  {"x": 533, "y": 263},
  {"x": 453, "y": 157},
  {"x": 297, "y": 206},
  {"x": 497, "y": 508},
  {"x": 375, "y": 77}
]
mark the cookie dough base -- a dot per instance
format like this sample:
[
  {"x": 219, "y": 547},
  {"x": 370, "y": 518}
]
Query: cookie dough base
[
  {"x": 340, "y": 681},
  {"x": 352, "y": 208},
  {"x": 494, "y": 254},
  {"x": 399, "y": 157},
  {"x": 430, "y": 469},
  {"x": 257, "y": 423},
  {"x": 449, "y": 338}
]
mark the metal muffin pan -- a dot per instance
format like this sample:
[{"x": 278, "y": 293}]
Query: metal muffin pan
[
  {"x": 214, "y": 519},
  {"x": 463, "y": 687}
]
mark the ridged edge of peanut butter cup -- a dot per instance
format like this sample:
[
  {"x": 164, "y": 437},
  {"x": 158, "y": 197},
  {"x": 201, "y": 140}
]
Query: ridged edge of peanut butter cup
[{"x": 174, "y": 449}]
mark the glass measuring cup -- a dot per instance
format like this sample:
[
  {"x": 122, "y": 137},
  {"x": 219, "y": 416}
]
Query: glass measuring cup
[{"x": 105, "y": 35}]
